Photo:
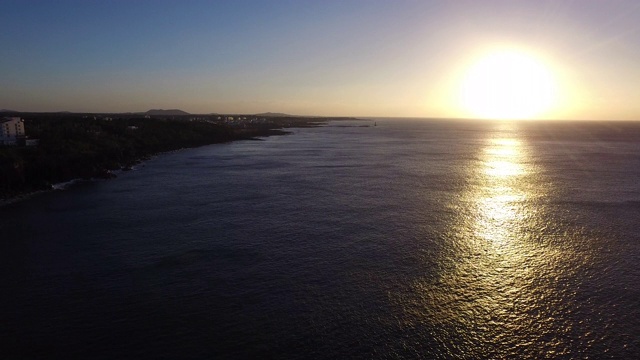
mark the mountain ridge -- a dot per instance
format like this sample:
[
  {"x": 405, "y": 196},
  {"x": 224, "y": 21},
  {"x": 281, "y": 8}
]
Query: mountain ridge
[
  {"x": 168, "y": 112},
  {"x": 273, "y": 114}
]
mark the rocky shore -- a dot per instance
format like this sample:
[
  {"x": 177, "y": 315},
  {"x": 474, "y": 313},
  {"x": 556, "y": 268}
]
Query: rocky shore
[{"x": 86, "y": 146}]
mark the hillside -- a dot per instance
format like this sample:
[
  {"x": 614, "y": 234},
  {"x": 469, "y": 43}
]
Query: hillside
[
  {"x": 271, "y": 114},
  {"x": 169, "y": 112}
]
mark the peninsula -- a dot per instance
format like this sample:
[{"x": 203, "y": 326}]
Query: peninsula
[{"x": 84, "y": 146}]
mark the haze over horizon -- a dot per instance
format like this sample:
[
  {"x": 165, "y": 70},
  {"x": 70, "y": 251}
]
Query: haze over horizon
[{"x": 351, "y": 58}]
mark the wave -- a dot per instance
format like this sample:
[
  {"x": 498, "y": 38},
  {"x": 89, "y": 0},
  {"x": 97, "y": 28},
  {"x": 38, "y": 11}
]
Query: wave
[{"x": 67, "y": 184}]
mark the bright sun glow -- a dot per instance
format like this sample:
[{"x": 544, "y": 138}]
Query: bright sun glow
[{"x": 508, "y": 85}]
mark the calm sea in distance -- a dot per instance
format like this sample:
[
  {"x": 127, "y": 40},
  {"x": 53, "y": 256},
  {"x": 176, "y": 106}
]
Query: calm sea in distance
[{"x": 410, "y": 239}]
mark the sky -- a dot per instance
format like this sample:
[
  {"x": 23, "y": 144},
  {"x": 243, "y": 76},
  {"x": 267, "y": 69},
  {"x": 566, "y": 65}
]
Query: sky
[{"x": 333, "y": 58}]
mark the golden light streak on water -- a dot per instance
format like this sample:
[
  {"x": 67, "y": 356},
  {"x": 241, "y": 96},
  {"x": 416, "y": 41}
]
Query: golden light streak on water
[
  {"x": 499, "y": 201},
  {"x": 496, "y": 296}
]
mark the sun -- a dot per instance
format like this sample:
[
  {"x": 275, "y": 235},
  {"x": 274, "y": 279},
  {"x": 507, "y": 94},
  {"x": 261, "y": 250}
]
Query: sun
[{"x": 508, "y": 84}]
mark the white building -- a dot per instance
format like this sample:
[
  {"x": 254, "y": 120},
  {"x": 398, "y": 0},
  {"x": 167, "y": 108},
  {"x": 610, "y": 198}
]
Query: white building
[{"x": 11, "y": 128}]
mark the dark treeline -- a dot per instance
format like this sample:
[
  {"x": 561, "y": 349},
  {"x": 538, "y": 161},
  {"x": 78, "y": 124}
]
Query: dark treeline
[{"x": 73, "y": 146}]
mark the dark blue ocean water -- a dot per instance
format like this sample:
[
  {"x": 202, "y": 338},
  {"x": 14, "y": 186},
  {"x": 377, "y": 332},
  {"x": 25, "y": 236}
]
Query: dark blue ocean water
[{"x": 411, "y": 239}]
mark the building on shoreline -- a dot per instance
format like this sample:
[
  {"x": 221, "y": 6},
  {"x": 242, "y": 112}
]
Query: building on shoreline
[{"x": 11, "y": 130}]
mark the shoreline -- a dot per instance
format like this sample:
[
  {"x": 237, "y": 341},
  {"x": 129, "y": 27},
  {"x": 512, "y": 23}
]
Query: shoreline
[{"x": 103, "y": 174}]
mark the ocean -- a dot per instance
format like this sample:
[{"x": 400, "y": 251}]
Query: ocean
[{"x": 435, "y": 239}]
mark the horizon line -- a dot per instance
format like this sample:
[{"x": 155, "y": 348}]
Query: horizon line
[{"x": 6, "y": 111}]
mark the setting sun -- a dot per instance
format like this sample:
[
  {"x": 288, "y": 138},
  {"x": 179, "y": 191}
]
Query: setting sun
[{"x": 507, "y": 85}]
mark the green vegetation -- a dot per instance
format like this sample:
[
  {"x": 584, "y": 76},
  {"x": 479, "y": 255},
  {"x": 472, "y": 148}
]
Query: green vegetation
[{"x": 87, "y": 146}]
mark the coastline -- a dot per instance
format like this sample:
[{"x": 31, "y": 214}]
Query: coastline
[{"x": 254, "y": 133}]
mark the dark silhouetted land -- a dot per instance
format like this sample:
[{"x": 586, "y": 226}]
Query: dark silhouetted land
[{"x": 84, "y": 146}]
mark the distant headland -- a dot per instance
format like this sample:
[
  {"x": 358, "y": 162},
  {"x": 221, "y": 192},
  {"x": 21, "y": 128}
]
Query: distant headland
[{"x": 170, "y": 112}]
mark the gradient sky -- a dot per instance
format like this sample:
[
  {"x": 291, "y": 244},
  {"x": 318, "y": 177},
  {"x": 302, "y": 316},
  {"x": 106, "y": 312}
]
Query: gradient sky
[{"x": 360, "y": 58}]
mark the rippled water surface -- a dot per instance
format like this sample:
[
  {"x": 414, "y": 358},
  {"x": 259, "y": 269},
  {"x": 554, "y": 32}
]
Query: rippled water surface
[{"x": 411, "y": 239}]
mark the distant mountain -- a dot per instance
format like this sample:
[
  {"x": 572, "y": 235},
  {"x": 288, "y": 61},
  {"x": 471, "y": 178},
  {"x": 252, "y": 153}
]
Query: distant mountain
[
  {"x": 272, "y": 114},
  {"x": 169, "y": 112},
  {"x": 6, "y": 111}
]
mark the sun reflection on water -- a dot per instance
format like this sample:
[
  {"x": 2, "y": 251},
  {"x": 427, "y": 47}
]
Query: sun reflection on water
[
  {"x": 489, "y": 297},
  {"x": 500, "y": 200}
]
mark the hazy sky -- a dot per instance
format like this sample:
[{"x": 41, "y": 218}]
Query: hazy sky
[{"x": 362, "y": 58}]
